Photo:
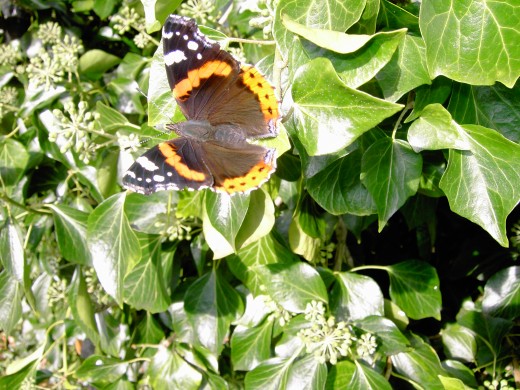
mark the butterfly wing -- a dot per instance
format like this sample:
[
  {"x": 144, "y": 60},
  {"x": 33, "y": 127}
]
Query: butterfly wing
[
  {"x": 209, "y": 84},
  {"x": 171, "y": 165}
]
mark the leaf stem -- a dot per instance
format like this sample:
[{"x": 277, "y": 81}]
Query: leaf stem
[
  {"x": 254, "y": 41},
  {"x": 24, "y": 207},
  {"x": 407, "y": 107}
]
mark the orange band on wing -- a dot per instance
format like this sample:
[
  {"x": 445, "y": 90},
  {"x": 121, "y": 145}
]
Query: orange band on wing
[
  {"x": 256, "y": 176},
  {"x": 263, "y": 90},
  {"x": 218, "y": 68},
  {"x": 174, "y": 160}
]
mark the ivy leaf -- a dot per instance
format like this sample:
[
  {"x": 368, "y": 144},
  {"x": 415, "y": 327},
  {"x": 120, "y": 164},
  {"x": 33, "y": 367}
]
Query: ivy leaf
[
  {"x": 392, "y": 340},
  {"x": 94, "y": 63},
  {"x": 101, "y": 369},
  {"x": 307, "y": 373},
  {"x": 483, "y": 185},
  {"x": 13, "y": 160},
  {"x": 392, "y": 16},
  {"x": 270, "y": 375},
  {"x": 340, "y": 375},
  {"x": 502, "y": 294},
  {"x": 355, "y": 297},
  {"x": 406, "y": 70},
  {"x": 421, "y": 365},
  {"x": 112, "y": 243},
  {"x": 331, "y": 121},
  {"x": 144, "y": 284},
  {"x": 328, "y": 15},
  {"x": 251, "y": 346},
  {"x": 71, "y": 233},
  {"x": 338, "y": 188},
  {"x": 459, "y": 343},
  {"x": 474, "y": 41},
  {"x": 169, "y": 370},
  {"x": 211, "y": 305},
  {"x": 391, "y": 172},
  {"x": 12, "y": 254},
  {"x": 495, "y": 107},
  {"x": 366, "y": 378},
  {"x": 81, "y": 306},
  {"x": 11, "y": 293},
  {"x": 414, "y": 287}
]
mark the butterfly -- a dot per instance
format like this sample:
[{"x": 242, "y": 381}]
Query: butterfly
[{"x": 226, "y": 103}]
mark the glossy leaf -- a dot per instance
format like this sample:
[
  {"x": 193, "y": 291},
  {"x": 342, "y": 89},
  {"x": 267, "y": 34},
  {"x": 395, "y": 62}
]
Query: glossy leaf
[
  {"x": 366, "y": 378},
  {"x": 270, "y": 375},
  {"x": 459, "y": 343},
  {"x": 95, "y": 62},
  {"x": 340, "y": 375},
  {"x": 502, "y": 294},
  {"x": 211, "y": 305},
  {"x": 71, "y": 233},
  {"x": 487, "y": 106},
  {"x": 169, "y": 370},
  {"x": 330, "y": 122},
  {"x": 113, "y": 244},
  {"x": 406, "y": 71},
  {"x": 12, "y": 255},
  {"x": 472, "y": 41},
  {"x": 251, "y": 346},
  {"x": 389, "y": 336},
  {"x": 391, "y": 172},
  {"x": 421, "y": 365},
  {"x": 144, "y": 286},
  {"x": 101, "y": 369},
  {"x": 307, "y": 374},
  {"x": 356, "y": 297},
  {"x": 414, "y": 286},
  {"x": 483, "y": 185},
  {"x": 13, "y": 160},
  {"x": 82, "y": 307},
  {"x": 11, "y": 293}
]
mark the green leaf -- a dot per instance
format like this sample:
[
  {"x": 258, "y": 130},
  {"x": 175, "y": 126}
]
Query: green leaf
[
  {"x": 168, "y": 370},
  {"x": 13, "y": 160},
  {"x": 338, "y": 188},
  {"x": 71, "y": 233},
  {"x": 110, "y": 119},
  {"x": 101, "y": 369},
  {"x": 388, "y": 334},
  {"x": 251, "y": 346},
  {"x": 151, "y": 214},
  {"x": 293, "y": 285},
  {"x": 112, "y": 243},
  {"x": 392, "y": 16},
  {"x": 270, "y": 375},
  {"x": 366, "y": 378},
  {"x": 340, "y": 375},
  {"x": 211, "y": 305},
  {"x": 483, "y": 184},
  {"x": 307, "y": 373},
  {"x": 330, "y": 122},
  {"x": 327, "y": 14},
  {"x": 459, "y": 370},
  {"x": 11, "y": 293},
  {"x": 495, "y": 107},
  {"x": 94, "y": 63},
  {"x": 472, "y": 41},
  {"x": 104, "y": 8},
  {"x": 15, "y": 380},
  {"x": 355, "y": 297},
  {"x": 144, "y": 283},
  {"x": 12, "y": 254},
  {"x": 502, "y": 294},
  {"x": 459, "y": 343},
  {"x": 148, "y": 331},
  {"x": 414, "y": 286},
  {"x": 437, "y": 92},
  {"x": 420, "y": 365},
  {"x": 406, "y": 71},
  {"x": 435, "y": 129},
  {"x": 249, "y": 263},
  {"x": 391, "y": 172},
  {"x": 81, "y": 306}
]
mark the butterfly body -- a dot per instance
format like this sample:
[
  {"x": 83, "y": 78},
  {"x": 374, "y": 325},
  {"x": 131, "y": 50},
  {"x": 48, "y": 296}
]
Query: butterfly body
[{"x": 226, "y": 105}]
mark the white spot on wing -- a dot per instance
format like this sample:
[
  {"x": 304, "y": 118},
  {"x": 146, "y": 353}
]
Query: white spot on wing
[
  {"x": 158, "y": 178},
  {"x": 185, "y": 37},
  {"x": 177, "y": 33},
  {"x": 148, "y": 180},
  {"x": 139, "y": 179},
  {"x": 146, "y": 164},
  {"x": 192, "y": 45},
  {"x": 174, "y": 57},
  {"x": 199, "y": 56},
  {"x": 167, "y": 35},
  {"x": 168, "y": 174},
  {"x": 131, "y": 174}
]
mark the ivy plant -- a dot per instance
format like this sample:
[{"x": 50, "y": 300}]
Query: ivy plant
[{"x": 381, "y": 254}]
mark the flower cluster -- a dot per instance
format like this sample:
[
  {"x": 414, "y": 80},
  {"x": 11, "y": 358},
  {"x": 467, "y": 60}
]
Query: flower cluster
[
  {"x": 8, "y": 100},
  {"x": 278, "y": 312},
  {"x": 127, "y": 19},
  {"x": 58, "y": 56},
  {"x": 329, "y": 340},
  {"x": 264, "y": 21},
  {"x": 128, "y": 142},
  {"x": 200, "y": 10},
  {"x": 73, "y": 131},
  {"x": 10, "y": 55}
]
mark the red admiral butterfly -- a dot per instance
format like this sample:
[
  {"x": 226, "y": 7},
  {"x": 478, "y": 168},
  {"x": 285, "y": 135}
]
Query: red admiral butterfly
[{"x": 225, "y": 104}]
